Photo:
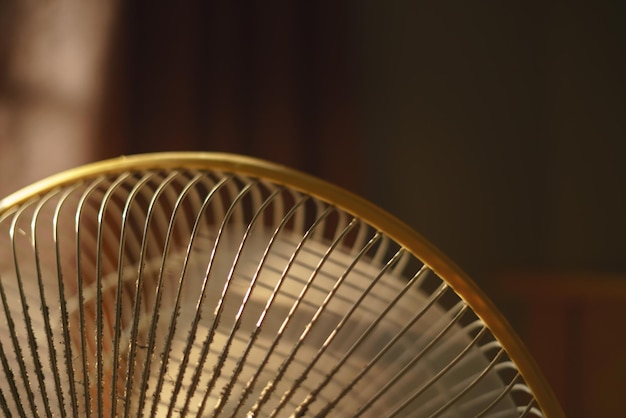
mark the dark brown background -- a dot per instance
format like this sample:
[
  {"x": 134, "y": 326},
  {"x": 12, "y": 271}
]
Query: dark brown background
[{"x": 495, "y": 129}]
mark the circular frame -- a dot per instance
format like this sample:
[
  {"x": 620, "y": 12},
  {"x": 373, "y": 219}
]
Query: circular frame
[{"x": 349, "y": 202}]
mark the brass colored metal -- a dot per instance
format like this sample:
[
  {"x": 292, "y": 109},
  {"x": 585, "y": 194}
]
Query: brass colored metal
[{"x": 338, "y": 197}]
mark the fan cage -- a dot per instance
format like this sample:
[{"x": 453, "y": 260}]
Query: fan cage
[{"x": 174, "y": 290}]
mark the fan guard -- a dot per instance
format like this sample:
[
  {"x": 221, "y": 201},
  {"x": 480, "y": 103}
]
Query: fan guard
[{"x": 197, "y": 284}]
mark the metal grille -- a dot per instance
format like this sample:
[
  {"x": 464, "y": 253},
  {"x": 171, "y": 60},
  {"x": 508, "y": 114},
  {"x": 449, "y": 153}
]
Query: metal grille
[{"x": 200, "y": 293}]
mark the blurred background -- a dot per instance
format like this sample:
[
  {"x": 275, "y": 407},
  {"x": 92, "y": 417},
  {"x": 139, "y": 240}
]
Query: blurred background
[{"x": 495, "y": 129}]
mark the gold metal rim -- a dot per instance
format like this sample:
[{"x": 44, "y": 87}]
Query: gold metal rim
[{"x": 343, "y": 199}]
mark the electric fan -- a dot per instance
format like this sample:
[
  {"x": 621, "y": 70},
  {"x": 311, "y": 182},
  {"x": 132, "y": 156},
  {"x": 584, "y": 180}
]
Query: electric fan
[{"x": 195, "y": 284}]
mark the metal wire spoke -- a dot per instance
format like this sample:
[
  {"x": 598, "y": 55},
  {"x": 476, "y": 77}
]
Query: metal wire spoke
[
  {"x": 441, "y": 372},
  {"x": 117, "y": 327},
  {"x": 311, "y": 363},
  {"x": 207, "y": 284},
  {"x": 159, "y": 293},
  {"x": 471, "y": 385},
  {"x": 67, "y": 342},
  {"x": 317, "y": 224},
  {"x": 300, "y": 410},
  {"x": 271, "y": 385},
  {"x": 226, "y": 347},
  {"x": 5, "y": 362},
  {"x": 226, "y": 390},
  {"x": 165, "y": 355},
  {"x": 505, "y": 391},
  {"x": 218, "y": 309},
  {"x": 99, "y": 308},
  {"x": 433, "y": 299},
  {"x": 390, "y": 382},
  {"x": 195, "y": 322},
  {"x": 32, "y": 341},
  {"x": 81, "y": 297},
  {"x": 139, "y": 290}
]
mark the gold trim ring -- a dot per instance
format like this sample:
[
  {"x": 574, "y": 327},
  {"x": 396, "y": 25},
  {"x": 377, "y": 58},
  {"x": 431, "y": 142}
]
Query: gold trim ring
[{"x": 340, "y": 198}]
